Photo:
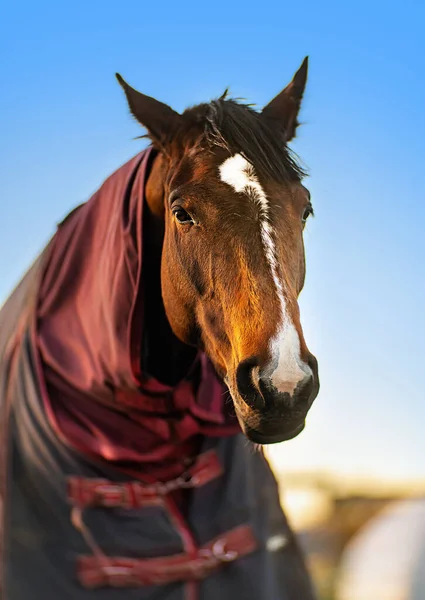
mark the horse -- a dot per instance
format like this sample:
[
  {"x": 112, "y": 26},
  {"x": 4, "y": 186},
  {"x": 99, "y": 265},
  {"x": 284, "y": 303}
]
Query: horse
[{"x": 156, "y": 333}]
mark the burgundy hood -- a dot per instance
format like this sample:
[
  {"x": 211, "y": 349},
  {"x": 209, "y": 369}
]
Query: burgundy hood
[{"x": 89, "y": 336}]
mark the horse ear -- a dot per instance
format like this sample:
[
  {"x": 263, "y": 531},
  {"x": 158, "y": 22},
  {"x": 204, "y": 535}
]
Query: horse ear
[
  {"x": 284, "y": 108},
  {"x": 160, "y": 120}
]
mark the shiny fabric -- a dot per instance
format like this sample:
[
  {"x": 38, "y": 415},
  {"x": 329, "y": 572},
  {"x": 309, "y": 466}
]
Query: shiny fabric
[{"x": 89, "y": 336}]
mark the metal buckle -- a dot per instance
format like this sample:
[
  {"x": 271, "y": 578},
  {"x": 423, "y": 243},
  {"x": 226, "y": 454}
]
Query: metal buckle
[
  {"x": 219, "y": 551},
  {"x": 187, "y": 480},
  {"x": 184, "y": 481}
]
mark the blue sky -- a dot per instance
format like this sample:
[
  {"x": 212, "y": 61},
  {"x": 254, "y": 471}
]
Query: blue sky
[{"x": 65, "y": 127}]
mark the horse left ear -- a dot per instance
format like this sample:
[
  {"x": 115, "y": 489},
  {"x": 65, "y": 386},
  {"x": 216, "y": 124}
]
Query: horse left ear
[
  {"x": 284, "y": 108},
  {"x": 160, "y": 120}
]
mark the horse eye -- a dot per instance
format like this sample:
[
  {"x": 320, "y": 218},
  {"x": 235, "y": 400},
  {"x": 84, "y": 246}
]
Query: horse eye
[
  {"x": 308, "y": 211},
  {"x": 182, "y": 216}
]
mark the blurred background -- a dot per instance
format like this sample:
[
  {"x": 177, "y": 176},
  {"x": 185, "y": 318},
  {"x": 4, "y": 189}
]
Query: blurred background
[{"x": 352, "y": 482}]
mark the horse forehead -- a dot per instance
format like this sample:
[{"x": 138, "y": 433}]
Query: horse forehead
[
  {"x": 194, "y": 167},
  {"x": 237, "y": 172},
  {"x": 210, "y": 169},
  {"x": 243, "y": 176}
]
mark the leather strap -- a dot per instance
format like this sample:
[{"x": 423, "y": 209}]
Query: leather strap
[
  {"x": 118, "y": 572},
  {"x": 85, "y": 493}
]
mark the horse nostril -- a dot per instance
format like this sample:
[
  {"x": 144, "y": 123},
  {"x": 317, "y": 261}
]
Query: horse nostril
[
  {"x": 314, "y": 380},
  {"x": 246, "y": 385},
  {"x": 312, "y": 363},
  {"x": 305, "y": 387}
]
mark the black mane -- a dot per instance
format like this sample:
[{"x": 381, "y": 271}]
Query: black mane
[{"x": 239, "y": 128}]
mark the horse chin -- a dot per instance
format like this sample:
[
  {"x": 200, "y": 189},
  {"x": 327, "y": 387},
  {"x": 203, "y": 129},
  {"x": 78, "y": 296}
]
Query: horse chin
[
  {"x": 265, "y": 438},
  {"x": 268, "y": 433}
]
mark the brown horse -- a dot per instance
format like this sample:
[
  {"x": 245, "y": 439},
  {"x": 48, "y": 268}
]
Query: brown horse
[
  {"x": 122, "y": 463},
  {"x": 226, "y": 216}
]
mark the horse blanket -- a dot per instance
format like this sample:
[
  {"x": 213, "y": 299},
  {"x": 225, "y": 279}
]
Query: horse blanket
[{"x": 112, "y": 484}]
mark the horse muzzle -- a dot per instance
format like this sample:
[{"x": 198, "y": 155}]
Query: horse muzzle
[{"x": 266, "y": 415}]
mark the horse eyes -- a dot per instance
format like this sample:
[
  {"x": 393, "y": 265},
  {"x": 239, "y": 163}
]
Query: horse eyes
[
  {"x": 182, "y": 216},
  {"x": 308, "y": 211}
]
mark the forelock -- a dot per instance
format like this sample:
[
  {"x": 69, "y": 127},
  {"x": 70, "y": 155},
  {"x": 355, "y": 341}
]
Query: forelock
[{"x": 240, "y": 129}]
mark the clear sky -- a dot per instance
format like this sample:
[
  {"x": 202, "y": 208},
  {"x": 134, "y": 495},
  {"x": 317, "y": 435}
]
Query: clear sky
[{"x": 65, "y": 127}]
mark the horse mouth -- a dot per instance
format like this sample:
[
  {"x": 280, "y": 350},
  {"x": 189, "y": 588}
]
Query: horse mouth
[
  {"x": 272, "y": 426},
  {"x": 264, "y": 438}
]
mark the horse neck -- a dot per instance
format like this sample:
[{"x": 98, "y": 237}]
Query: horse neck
[{"x": 166, "y": 358}]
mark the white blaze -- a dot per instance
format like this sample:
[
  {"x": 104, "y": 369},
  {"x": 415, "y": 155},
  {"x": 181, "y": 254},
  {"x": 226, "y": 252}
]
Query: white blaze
[{"x": 288, "y": 368}]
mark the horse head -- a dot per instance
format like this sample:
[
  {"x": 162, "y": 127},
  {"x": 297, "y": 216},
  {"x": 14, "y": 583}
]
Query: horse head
[{"x": 229, "y": 195}]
